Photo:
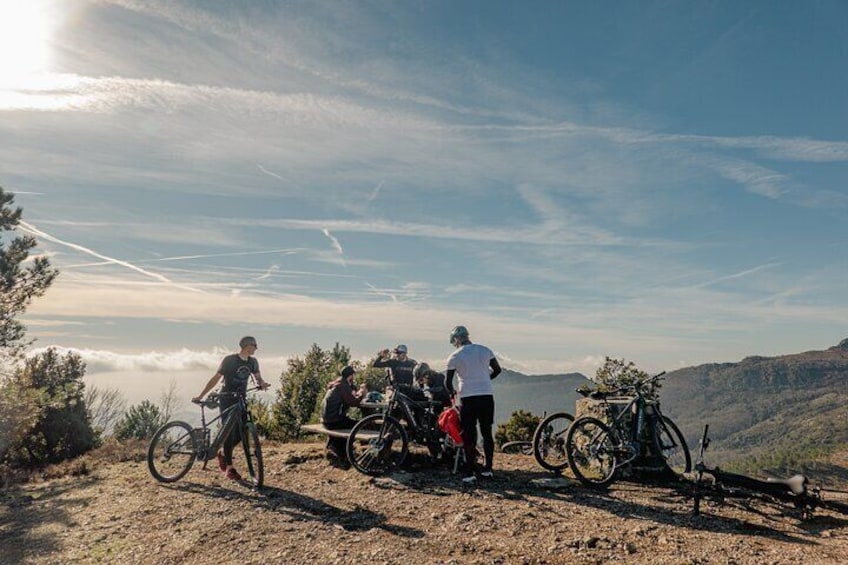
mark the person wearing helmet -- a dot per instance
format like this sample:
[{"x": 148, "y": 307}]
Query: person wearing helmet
[
  {"x": 236, "y": 370},
  {"x": 474, "y": 366},
  {"x": 429, "y": 380},
  {"x": 399, "y": 367}
]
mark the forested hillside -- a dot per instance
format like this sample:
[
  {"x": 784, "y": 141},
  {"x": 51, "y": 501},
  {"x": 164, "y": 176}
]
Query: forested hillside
[{"x": 765, "y": 412}]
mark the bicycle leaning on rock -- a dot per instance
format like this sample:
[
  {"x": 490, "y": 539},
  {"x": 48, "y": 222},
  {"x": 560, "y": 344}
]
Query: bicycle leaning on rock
[{"x": 597, "y": 451}]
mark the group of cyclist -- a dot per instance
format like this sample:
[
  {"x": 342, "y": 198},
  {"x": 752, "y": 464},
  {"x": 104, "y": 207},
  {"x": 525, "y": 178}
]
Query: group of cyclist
[{"x": 473, "y": 365}]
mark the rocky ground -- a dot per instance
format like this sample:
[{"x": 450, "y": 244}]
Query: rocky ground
[{"x": 310, "y": 512}]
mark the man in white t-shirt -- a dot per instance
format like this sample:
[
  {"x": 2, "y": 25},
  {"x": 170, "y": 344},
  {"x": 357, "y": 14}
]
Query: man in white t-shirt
[{"x": 475, "y": 366}]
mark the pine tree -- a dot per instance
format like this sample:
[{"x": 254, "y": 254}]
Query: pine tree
[{"x": 21, "y": 278}]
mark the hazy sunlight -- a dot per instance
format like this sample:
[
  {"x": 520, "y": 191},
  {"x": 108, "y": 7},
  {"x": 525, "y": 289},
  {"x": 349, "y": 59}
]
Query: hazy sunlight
[{"x": 24, "y": 41}]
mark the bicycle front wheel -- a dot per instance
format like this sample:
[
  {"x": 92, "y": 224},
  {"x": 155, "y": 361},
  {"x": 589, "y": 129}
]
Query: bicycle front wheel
[
  {"x": 591, "y": 452},
  {"x": 253, "y": 454},
  {"x": 549, "y": 441},
  {"x": 671, "y": 446},
  {"x": 171, "y": 452},
  {"x": 377, "y": 444}
]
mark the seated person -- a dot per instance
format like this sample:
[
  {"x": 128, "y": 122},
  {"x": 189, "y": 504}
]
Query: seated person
[
  {"x": 428, "y": 379},
  {"x": 399, "y": 367},
  {"x": 339, "y": 397}
]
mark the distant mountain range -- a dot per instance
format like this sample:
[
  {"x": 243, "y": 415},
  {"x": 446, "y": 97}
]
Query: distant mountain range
[
  {"x": 538, "y": 394},
  {"x": 764, "y": 412}
]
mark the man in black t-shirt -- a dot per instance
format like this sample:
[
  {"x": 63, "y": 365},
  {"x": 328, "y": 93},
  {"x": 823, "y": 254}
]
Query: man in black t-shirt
[
  {"x": 400, "y": 366},
  {"x": 236, "y": 370}
]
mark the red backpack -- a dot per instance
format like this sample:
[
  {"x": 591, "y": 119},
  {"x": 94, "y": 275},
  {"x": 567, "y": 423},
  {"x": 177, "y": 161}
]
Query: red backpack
[{"x": 449, "y": 423}]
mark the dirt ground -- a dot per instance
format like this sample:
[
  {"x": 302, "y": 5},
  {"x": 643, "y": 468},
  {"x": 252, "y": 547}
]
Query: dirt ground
[{"x": 311, "y": 512}]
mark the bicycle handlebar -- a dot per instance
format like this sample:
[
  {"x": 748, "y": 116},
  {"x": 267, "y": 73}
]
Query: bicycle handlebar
[{"x": 211, "y": 400}]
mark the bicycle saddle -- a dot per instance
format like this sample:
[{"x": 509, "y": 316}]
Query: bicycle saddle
[{"x": 796, "y": 484}]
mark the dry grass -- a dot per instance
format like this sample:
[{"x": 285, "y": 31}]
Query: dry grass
[{"x": 112, "y": 451}]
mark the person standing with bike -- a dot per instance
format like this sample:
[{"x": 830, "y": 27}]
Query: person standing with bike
[
  {"x": 475, "y": 366},
  {"x": 236, "y": 370}
]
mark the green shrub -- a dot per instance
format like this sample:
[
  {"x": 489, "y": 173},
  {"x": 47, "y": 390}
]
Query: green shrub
[
  {"x": 519, "y": 427},
  {"x": 139, "y": 422}
]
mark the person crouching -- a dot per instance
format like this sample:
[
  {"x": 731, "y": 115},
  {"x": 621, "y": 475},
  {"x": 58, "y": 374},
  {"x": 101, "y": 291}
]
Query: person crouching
[{"x": 339, "y": 397}]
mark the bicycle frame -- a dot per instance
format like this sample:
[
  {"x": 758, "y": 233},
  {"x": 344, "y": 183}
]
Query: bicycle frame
[
  {"x": 400, "y": 402},
  {"x": 231, "y": 417},
  {"x": 634, "y": 441}
]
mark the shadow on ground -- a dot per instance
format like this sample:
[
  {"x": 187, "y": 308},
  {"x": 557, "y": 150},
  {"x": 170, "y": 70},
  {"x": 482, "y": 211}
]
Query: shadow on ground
[
  {"x": 661, "y": 501},
  {"x": 300, "y": 507},
  {"x": 22, "y": 512}
]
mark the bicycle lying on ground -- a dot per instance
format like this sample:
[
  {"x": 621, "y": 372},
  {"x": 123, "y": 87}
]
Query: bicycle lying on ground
[
  {"x": 596, "y": 451},
  {"x": 379, "y": 443},
  {"x": 176, "y": 445},
  {"x": 548, "y": 445},
  {"x": 718, "y": 485},
  {"x": 519, "y": 447}
]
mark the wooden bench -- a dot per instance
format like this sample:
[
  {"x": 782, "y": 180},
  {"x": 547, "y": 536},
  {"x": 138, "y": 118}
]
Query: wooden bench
[{"x": 340, "y": 433}]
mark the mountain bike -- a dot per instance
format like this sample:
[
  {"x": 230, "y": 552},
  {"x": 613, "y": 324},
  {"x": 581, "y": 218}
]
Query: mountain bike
[
  {"x": 596, "y": 451},
  {"x": 177, "y": 445},
  {"x": 718, "y": 485},
  {"x": 379, "y": 443},
  {"x": 549, "y": 441}
]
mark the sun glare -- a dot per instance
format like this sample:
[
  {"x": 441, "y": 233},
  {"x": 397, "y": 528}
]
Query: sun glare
[{"x": 24, "y": 40}]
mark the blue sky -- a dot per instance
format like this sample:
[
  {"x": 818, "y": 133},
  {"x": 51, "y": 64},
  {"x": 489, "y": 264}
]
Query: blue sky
[{"x": 661, "y": 181}]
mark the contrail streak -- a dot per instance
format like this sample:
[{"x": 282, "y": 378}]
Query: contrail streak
[
  {"x": 375, "y": 192},
  {"x": 269, "y": 173},
  {"x": 38, "y": 233},
  {"x": 336, "y": 244},
  {"x": 287, "y": 251}
]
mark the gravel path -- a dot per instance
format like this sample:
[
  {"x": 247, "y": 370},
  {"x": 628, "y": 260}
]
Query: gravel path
[{"x": 311, "y": 512}]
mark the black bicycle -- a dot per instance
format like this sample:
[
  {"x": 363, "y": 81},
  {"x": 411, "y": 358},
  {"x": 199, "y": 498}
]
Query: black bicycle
[
  {"x": 549, "y": 441},
  {"x": 717, "y": 486},
  {"x": 596, "y": 450},
  {"x": 379, "y": 443},
  {"x": 177, "y": 445}
]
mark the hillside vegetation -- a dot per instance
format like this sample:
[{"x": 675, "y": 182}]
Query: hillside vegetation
[{"x": 776, "y": 413}]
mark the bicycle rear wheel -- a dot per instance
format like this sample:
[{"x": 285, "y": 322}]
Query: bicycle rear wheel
[
  {"x": 253, "y": 454},
  {"x": 591, "y": 452},
  {"x": 549, "y": 441},
  {"x": 171, "y": 452},
  {"x": 377, "y": 444},
  {"x": 671, "y": 446}
]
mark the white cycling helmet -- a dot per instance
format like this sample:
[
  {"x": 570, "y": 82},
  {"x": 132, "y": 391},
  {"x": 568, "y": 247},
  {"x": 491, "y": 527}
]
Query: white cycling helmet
[{"x": 458, "y": 335}]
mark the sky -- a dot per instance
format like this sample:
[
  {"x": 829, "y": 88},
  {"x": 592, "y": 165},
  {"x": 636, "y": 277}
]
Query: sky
[{"x": 659, "y": 181}]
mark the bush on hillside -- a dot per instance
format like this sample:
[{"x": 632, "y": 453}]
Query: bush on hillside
[
  {"x": 60, "y": 427},
  {"x": 140, "y": 422}
]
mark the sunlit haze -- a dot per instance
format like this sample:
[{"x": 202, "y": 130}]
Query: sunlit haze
[{"x": 664, "y": 182}]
